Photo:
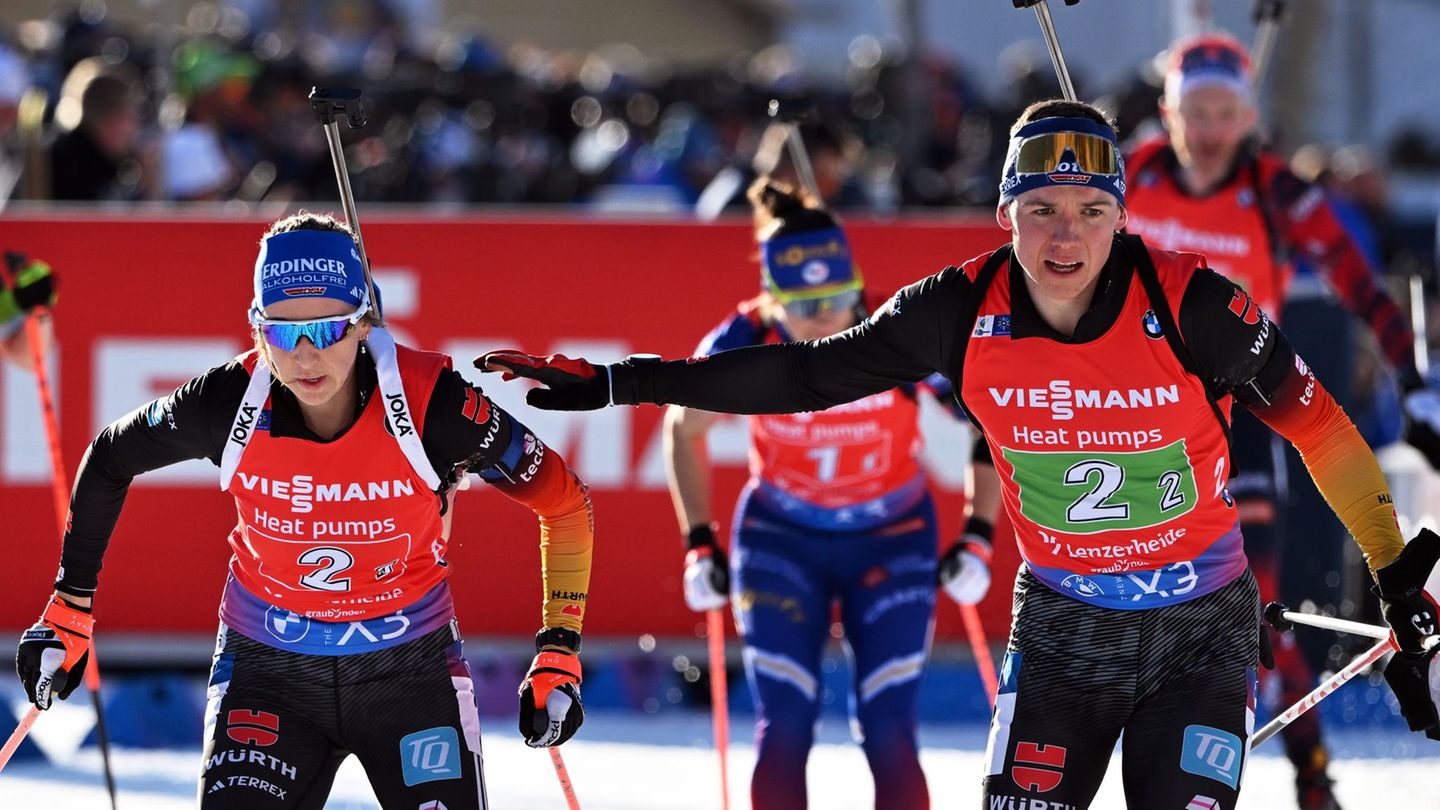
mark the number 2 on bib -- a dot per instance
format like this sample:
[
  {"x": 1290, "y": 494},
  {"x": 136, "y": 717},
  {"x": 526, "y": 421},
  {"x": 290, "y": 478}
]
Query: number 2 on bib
[
  {"x": 332, "y": 561},
  {"x": 1088, "y": 493}
]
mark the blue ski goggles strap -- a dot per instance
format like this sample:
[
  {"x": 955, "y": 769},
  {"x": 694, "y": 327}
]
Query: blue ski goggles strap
[
  {"x": 1063, "y": 151},
  {"x": 810, "y": 264}
]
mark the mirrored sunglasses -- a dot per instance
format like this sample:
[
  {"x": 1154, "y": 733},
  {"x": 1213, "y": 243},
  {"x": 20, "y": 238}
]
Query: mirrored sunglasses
[
  {"x": 321, "y": 332},
  {"x": 1067, "y": 151}
]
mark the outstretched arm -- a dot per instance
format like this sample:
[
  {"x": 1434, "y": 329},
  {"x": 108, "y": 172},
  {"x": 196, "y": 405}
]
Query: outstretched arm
[{"x": 906, "y": 339}]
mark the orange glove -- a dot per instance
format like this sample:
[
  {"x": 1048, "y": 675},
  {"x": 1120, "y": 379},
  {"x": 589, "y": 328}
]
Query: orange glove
[
  {"x": 550, "y": 709},
  {"x": 52, "y": 654}
]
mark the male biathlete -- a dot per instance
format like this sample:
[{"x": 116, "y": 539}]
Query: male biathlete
[
  {"x": 342, "y": 450},
  {"x": 837, "y": 509},
  {"x": 1102, "y": 373},
  {"x": 1206, "y": 187}
]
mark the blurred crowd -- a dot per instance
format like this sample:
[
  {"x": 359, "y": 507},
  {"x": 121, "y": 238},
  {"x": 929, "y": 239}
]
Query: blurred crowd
[{"x": 214, "y": 107}]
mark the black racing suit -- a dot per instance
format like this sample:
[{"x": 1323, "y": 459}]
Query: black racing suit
[{"x": 1166, "y": 676}]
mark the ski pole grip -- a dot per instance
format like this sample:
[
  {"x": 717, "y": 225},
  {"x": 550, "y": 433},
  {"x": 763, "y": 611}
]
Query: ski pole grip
[
  {"x": 1265, "y": 11},
  {"x": 791, "y": 109},
  {"x": 333, "y": 103},
  {"x": 1275, "y": 617}
]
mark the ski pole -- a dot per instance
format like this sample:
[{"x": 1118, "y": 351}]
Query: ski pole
[
  {"x": 330, "y": 104},
  {"x": 1283, "y": 619},
  {"x": 1052, "y": 42},
  {"x": 60, "y": 490},
  {"x": 1268, "y": 15},
  {"x": 719, "y": 699},
  {"x": 564, "y": 775},
  {"x": 18, "y": 736},
  {"x": 789, "y": 112},
  {"x": 1321, "y": 692},
  {"x": 35, "y": 336},
  {"x": 980, "y": 648}
]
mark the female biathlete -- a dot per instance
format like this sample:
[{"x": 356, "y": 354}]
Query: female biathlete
[
  {"x": 836, "y": 510},
  {"x": 1102, "y": 372},
  {"x": 337, "y": 635}
]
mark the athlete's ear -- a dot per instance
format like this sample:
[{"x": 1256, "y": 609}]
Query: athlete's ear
[
  {"x": 1002, "y": 217},
  {"x": 1252, "y": 116},
  {"x": 263, "y": 346},
  {"x": 1123, "y": 221}
]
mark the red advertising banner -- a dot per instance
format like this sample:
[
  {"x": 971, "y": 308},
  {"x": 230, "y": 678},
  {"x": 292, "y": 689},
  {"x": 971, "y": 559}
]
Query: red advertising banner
[{"x": 147, "y": 303}]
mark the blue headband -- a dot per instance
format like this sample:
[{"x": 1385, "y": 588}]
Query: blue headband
[
  {"x": 1013, "y": 184},
  {"x": 810, "y": 262},
  {"x": 309, "y": 264}
]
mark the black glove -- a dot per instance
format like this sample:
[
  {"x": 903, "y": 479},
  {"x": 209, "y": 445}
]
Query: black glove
[
  {"x": 32, "y": 283},
  {"x": 550, "y": 708},
  {"x": 1267, "y": 646},
  {"x": 52, "y": 654},
  {"x": 1415, "y": 680},
  {"x": 570, "y": 385},
  {"x": 1408, "y": 609}
]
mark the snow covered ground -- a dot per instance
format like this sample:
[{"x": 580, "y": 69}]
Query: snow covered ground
[{"x": 625, "y": 761}]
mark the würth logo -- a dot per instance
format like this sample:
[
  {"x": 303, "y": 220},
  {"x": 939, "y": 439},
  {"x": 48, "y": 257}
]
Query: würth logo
[
  {"x": 252, "y": 727},
  {"x": 1244, "y": 308},
  {"x": 1050, "y": 758}
]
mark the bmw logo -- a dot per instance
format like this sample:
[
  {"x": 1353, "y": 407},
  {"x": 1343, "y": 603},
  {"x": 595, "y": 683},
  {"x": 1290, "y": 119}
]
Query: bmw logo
[
  {"x": 1152, "y": 325},
  {"x": 1082, "y": 585},
  {"x": 286, "y": 625}
]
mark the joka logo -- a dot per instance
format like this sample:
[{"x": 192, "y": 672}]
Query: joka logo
[
  {"x": 399, "y": 415},
  {"x": 1203, "y": 803},
  {"x": 1042, "y": 779},
  {"x": 1212, "y": 753},
  {"x": 1152, "y": 325},
  {"x": 240, "y": 434},
  {"x": 252, "y": 727},
  {"x": 430, "y": 755},
  {"x": 435, "y": 805}
]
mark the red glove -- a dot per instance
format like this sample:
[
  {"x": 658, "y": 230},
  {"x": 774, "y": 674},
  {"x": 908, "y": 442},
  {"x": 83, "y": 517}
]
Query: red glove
[{"x": 570, "y": 385}]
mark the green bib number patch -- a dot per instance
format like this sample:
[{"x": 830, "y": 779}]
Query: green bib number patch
[{"x": 1087, "y": 493}]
